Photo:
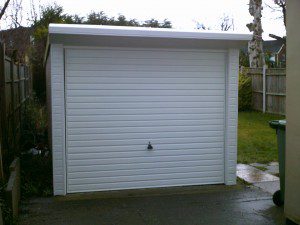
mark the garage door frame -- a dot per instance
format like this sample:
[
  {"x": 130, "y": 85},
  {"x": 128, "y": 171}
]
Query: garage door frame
[{"x": 58, "y": 113}]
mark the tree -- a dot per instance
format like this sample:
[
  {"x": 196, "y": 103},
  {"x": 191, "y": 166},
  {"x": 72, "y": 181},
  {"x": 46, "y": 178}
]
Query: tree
[
  {"x": 100, "y": 18},
  {"x": 97, "y": 18},
  {"x": 122, "y": 21},
  {"x": 48, "y": 14},
  {"x": 201, "y": 26},
  {"x": 155, "y": 23},
  {"x": 244, "y": 59},
  {"x": 16, "y": 13},
  {"x": 280, "y": 5},
  {"x": 227, "y": 23},
  {"x": 255, "y": 45},
  {"x": 3, "y": 9}
]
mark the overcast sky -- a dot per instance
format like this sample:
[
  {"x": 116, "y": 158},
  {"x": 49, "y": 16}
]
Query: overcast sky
[{"x": 182, "y": 14}]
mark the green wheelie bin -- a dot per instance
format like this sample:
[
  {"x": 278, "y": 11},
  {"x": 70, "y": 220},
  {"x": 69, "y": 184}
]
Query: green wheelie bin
[{"x": 279, "y": 125}]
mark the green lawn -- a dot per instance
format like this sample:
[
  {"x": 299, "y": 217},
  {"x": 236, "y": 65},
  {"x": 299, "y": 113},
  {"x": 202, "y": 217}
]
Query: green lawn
[{"x": 256, "y": 140}]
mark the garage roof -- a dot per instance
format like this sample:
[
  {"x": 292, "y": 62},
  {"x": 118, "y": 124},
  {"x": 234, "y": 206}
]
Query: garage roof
[{"x": 120, "y": 36}]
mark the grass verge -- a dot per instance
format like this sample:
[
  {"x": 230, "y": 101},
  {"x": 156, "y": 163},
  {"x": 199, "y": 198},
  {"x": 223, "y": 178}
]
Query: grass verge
[{"x": 256, "y": 140}]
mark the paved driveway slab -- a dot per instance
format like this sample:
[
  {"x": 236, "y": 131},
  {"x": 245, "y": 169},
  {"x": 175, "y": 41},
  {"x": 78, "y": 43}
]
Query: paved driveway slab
[{"x": 207, "y": 205}]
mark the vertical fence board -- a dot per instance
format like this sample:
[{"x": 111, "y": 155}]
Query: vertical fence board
[
  {"x": 15, "y": 91},
  {"x": 3, "y": 110},
  {"x": 275, "y": 89}
]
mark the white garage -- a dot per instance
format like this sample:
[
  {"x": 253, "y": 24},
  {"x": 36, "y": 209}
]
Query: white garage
[{"x": 141, "y": 107}]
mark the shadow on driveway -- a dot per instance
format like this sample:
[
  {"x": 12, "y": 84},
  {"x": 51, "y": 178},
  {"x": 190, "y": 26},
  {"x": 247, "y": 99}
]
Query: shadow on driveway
[{"x": 209, "y": 205}]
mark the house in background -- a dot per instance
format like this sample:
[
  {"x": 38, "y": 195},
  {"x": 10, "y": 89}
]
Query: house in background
[{"x": 275, "y": 52}]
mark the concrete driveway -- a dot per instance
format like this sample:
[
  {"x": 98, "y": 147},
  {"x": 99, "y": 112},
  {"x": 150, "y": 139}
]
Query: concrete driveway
[{"x": 209, "y": 205}]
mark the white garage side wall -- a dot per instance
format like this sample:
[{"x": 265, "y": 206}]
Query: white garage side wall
[
  {"x": 49, "y": 102},
  {"x": 58, "y": 119},
  {"x": 231, "y": 116}
]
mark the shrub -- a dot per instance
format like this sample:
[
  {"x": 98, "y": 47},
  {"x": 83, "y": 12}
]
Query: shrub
[
  {"x": 34, "y": 126},
  {"x": 36, "y": 160},
  {"x": 244, "y": 58},
  {"x": 245, "y": 93},
  {"x": 5, "y": 210},
  {"x": 36, "y": 175}
]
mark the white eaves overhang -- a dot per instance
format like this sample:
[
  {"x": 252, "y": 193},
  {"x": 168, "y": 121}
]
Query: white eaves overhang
[{"x": 120, "y": 36}]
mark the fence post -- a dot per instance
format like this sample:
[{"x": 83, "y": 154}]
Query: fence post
[
  {"x": 264, "y": 88},
  {"x": 13, "y": 113},
  {"x": 19, "y": 107},
  {"x": 13, "y": 187},
  {"x": 3, "y": 106}
]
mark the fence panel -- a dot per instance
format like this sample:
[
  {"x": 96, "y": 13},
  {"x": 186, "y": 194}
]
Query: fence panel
[
  {"x": 16, "y": 88},
  {"x": 257, "y": 91},
  {"x": 275, "y": 89}
]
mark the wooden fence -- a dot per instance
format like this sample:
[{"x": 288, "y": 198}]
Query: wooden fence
[
  {"x": 15, "y": 89},
  {"x": 268, "y": 89},
  {"x": 13, "y": 187}
]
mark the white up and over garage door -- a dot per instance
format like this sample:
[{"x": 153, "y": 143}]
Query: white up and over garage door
[{"x": 120, "y": 99}]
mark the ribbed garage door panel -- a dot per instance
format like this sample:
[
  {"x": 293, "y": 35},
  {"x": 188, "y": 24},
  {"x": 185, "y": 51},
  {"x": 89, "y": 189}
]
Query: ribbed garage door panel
[{"x": 118, "y": 100}]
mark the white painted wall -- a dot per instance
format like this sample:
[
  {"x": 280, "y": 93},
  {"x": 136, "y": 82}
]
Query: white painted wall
[
  {"x": 232, "y": 79},
  {"x": 56, "y": 55}
]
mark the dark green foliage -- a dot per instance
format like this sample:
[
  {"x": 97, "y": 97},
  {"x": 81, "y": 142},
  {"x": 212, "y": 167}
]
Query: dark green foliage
[
  {"x": 100, "y": 18},
  {"x": 156, "y": 23},
  {"x": 34, "y": 126},
  {"x": 97, "y": 18},
  {"x": 7, "y": 214},
  {"x": 36, "y": 175},
  {"x": 244, "y": 59},
  {"x": 245, "y": 93},
  {"x": 36, "y": 170},
  {"x": 122, "y": 21}
]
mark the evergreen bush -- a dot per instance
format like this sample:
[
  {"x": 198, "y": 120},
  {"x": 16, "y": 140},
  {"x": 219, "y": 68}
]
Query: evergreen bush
[{"x": 245, "y": 93}]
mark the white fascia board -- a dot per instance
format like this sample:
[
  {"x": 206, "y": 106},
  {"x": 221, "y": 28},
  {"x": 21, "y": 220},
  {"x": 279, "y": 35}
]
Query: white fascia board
[{"x": 124, "y": 31}]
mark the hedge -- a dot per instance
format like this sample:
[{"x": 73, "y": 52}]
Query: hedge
[{"x": 245, "y": 93}]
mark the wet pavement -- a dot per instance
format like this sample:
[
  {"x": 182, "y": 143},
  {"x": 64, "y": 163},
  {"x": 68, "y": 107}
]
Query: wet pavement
[
  {"x": 261, "y": 179},
  {"x": 211, "y": 205},
  {"x": 271, "y": 168},
  {"x": 253, "y": 175},
  {"x": 269, "y": 186}
]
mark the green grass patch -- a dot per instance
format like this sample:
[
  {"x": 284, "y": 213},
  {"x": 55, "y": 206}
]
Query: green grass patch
[{"x": 256, "y": 140}]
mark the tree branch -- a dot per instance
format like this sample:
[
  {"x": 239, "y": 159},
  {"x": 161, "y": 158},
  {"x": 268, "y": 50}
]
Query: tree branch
[{"x": 4, "y": 8}]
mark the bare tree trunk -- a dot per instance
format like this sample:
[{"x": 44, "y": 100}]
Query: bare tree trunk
[
  {"x": 2, "y": 11},
  {"x": 282, "y": 5},
  {"x": 16, "y": 13},
  {"x": 255, "y": 45}
]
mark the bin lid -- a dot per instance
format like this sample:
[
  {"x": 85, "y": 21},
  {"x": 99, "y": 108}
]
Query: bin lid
[{"x": 278, "y": 124}]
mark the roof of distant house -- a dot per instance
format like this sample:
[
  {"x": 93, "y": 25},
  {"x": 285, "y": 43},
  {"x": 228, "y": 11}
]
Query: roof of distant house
[{"x": 272, "y": 46}]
